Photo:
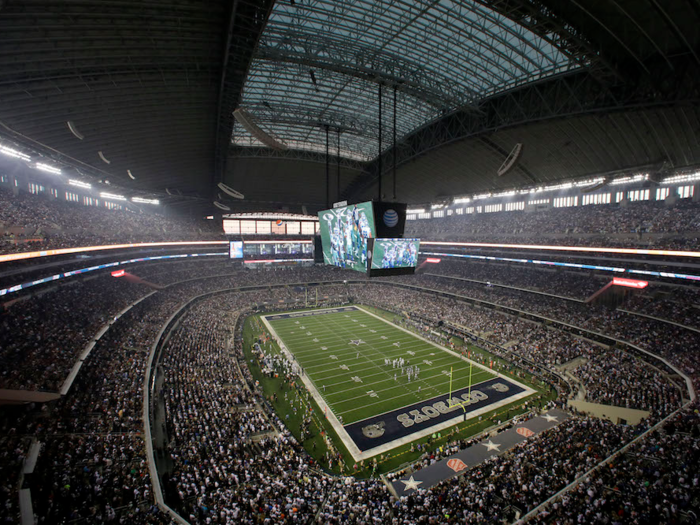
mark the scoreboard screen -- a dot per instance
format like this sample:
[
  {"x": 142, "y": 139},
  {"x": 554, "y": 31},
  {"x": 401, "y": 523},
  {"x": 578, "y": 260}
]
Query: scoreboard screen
[
  {"x": 344, "y": 235},
  {"x": 395, "y": 253}
]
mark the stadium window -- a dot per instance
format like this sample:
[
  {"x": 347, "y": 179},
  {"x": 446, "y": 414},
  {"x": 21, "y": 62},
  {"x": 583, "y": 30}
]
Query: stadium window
[
  {"x": 619, "y": 196},
  {"x": 538, "y": 201},
  {"x": 263, "y": 227},
  {"x": 459, "y": 211},
  {"x": 598, "y": 198},
  {"x": 491, "y": 208},
  {"x": 54, "y": 192},
  {"x": 662, "y": 193},
  {"x": 293, "y": 227},
  {"x": 438, "y": 214},
  {"x": 513, "y": 206},
  {"x": 469, "y": 210},
  {"x": 424, "y": 215},
  {"x": 449, "y": 212},
  {"x": 3, "y": 179},
  {"x": 411, "y": 217},
  {"x": 247, "y": 227},
  {"x": 638, "y": 195},
  {"x": 71, "y": 197},
  {"x": 307, "y": 228},
  {"x": 565, "y": 202},
  {"x": 685, "y": 192},
  {"x": 232, "y": 227}
]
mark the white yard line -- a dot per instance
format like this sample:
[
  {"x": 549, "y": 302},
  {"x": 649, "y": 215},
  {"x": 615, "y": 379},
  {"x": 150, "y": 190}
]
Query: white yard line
[
  {"x": 444, "y": 349},
  {"x": 356, "y": 453}
]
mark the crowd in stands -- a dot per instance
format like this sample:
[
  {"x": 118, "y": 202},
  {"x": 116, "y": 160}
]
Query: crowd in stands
[
  {"x": 681, "y": 306},
  {"x": 223, "y": 475},
  {"x": 657, "y": 480},
  {"x": 616, "y": 378},
  {"x": 577, "y": 285},
  {"x": 13, "y": 450},
  {"x": 518, "y": 480},
  {"x": 599, "y": 225},
  {"x": 609, "y": 377},
  {"x": 37, "y": 222},
  {"x": 43, "y": 335},
  {"x": 93, "y": 467},
  {"x": 47, "y": 223},
  {"x": 221, "y": 472}
]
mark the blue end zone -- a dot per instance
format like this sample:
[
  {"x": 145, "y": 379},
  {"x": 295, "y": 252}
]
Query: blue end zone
[
  {"x": 378, "y": 430},
  {"x": 298, "y": 315}
]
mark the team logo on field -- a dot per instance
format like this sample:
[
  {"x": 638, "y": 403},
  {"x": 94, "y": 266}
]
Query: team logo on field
[
  {"x": 525, "y": 432},
  {"x": 456, "y": 464},
  {"x": 374, "y": 431},
  {"x": 500, "y": 387}
]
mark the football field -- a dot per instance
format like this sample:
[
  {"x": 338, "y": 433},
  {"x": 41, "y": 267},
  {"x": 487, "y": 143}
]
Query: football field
[
  {"x": 344, "y": 356},
  {"x": 350, "y": 361}
]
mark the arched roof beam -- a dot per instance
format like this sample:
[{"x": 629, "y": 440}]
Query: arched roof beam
[
  {"x": 642, "y": 31},
  {"x": 679, "y": 34},
  {"x": 613, "y": 34}
]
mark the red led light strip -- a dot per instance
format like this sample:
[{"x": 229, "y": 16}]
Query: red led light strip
[{"x": 630, "y": 283}]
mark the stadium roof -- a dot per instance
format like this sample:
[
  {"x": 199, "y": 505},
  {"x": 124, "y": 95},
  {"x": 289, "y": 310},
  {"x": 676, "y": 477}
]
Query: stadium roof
[
  {"x": 321, "y": 63},
  {"x": 150, "y": 87}
]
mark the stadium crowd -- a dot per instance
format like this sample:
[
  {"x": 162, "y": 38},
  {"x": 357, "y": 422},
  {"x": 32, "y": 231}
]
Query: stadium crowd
[
  {"x": 43, "y": 335},
  {"x": 655, "y": 481},
  {"x": 93, "y": 465},
  {"x": 599, "y": 225},
  {"x": 47, "y": 223}
]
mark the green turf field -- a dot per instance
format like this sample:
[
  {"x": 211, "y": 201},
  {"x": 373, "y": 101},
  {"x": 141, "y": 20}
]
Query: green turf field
[{"x": 353, "y": 378}]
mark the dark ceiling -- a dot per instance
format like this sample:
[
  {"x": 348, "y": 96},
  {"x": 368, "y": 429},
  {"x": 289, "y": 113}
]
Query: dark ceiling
[{"x": 589, "y": 87}]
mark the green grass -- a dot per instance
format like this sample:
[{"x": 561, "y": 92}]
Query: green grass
[
  {"x": 316, "y": 444},
  {"x": 346, "y": 375}
]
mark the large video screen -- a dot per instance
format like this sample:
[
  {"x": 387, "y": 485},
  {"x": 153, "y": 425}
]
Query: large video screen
[
  {"x": 344, "y": 234},
  {"x": 395, "y": 253},
  {"x": 236, "y": 249}
]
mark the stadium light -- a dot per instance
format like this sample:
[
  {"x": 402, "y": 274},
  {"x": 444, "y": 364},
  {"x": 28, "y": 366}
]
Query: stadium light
[
  {"x": 112, "y": 196},
  {"x": 80, "y": 184},
  {"x": 14, "y": 153},
  {"x": 145, "y": 201},
  {"x": 629, "y": 180},
  {"x": 417, "y": 210},
  {"x": 688, "y": 177},
  {"x": 118, "y": 273},
  {"x": 48, "y": 169}
]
